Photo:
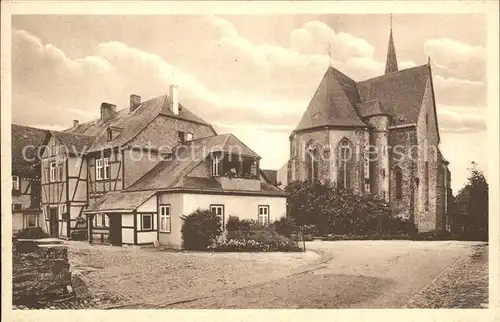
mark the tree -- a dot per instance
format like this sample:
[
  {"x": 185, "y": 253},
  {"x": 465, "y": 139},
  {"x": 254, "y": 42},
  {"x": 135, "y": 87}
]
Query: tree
[{"x": 472, "y": 204}]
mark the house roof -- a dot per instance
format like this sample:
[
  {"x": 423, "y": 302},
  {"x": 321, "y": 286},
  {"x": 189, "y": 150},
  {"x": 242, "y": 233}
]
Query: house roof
[
  {"x": 131, "y": 123},
  {"x": 25, "y": 136},
  {"x": 80, "y": 143},
  {"x": 173, "y": 174},
  {"x": 271, "y": 176},
  {"x": 399, "y": 94},
  {"x": 167, "y": 173},
  {"x": 119, "y": 201},
  {"x": 333, "y": 103}
]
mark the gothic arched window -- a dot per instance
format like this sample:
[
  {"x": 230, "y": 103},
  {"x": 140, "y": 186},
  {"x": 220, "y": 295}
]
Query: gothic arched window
[
  {"x": 345, "y": 156},
  {"x": 312, "y": 162},
  {"x": 399, "y": 182}
]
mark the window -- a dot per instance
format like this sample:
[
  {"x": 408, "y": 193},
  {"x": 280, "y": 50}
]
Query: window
[
  {"x": 109, "y": 135},
  {"x": 216, "y": 166},
  {"x": 427, "y": 122},
  {"x": 219, "y": 211},
  {"x": 253, "y": 168},
  {"x": 98, "y": 169},
  {"x": 17, "y": 206},
  {"x": 31, "y": 221},
  {"x": 427, "y": 185},
  {"x": 312, "y": 162},
  {"x": 345, "y": 155},
  {"x": 52, "y": 172},
  {"x": 399, "y": 182},
  {"x": 15, "y": 183},
  {"x": 101, "y": 220},
  {"x": 106, "y": 168},
  {"x": 147, "y": 222},
  {"x": 263, "y": 215},
  {"x": 165, "y": 223},
  {"x": 189, "y": 137},
  {"x": 102, "y": 169},
  {"x": 181, "y": 136}
]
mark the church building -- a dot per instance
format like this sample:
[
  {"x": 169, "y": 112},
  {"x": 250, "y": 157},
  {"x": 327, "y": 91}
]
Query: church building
[{"x": 377, "y": 136}]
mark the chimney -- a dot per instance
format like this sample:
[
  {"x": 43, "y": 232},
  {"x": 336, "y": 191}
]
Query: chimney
[
  {"x": 174, "y": 98},
  {"x": 107, "y": 111},
  {"x": 75, "y": 123},
  {"x": 135, "y": 101}
]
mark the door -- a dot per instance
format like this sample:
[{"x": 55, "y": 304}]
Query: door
[
  {"x": 115, "y": 229},
  {"x": 53, "y": 222}
]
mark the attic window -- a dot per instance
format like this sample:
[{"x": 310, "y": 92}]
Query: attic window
[
  {"x": 181, "y": 136},
  {"x": 189, "y": 137},
  {"x": 109, "y": 135}
]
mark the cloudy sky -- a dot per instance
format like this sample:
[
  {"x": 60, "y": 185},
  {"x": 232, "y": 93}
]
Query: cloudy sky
[{"x": 249, "y": 75}]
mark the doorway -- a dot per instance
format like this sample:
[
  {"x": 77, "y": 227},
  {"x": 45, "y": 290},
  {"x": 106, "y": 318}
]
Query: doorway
[
  {"x": 53, "y": 222},
  {"x": 115, "y": 229}
]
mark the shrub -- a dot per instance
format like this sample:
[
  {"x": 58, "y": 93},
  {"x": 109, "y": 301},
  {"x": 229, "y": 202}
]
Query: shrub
[
  {"x": 340, "y": 211},
  {"x": 266, "y": 240},
  {"x": 200, "y": 229},
  {"x": 285, "y": 226},
  {"x": 31, "y": 233}
]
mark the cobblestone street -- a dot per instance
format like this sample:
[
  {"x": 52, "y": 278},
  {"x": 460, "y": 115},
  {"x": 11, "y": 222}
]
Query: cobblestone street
[{"x": 464, "y": 285}]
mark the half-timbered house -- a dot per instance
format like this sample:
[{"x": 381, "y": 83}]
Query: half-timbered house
[
  {"x": 134, "y": 172},
  {"x": 26, "y": 142}
]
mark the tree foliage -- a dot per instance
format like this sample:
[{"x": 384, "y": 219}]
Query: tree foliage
[
  {"x": 338, "y": 211},
  {"x": 471, "y": 203},
  {"x": 200, "y": 229}
]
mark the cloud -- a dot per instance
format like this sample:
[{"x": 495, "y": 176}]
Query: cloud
[
  {"x": 457, "y": 58},
  {"x": 459, "y": 119},
  {"x": 462, "y": 92}
]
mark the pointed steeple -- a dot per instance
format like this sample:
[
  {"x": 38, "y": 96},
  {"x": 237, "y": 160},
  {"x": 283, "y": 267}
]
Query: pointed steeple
[{"x": 391, "y": 63}]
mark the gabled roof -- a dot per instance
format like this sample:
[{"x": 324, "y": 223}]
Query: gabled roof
[
  {"x": 119, "y": 201},
  {"x": 25, "y": 136},
  {"x": 400, "y": 94},
  {"x": 334, "y": 103},
  {"x": 167, "y": 173},
  {"x": 74, "y": 142},
  {"x": 271, "y": 176},
  {"x": 133, "y": 122}
]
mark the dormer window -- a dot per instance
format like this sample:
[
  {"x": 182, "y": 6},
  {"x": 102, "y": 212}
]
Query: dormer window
[
  {"x": 184, "y": 137},
  {"x": 181, "y": 136},
  {"x": 109, "y": 135},
  {"x": 216, "y": 164}
]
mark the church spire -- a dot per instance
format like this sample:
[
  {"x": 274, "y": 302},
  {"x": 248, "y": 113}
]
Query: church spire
[{"x": 391, "y": 64}]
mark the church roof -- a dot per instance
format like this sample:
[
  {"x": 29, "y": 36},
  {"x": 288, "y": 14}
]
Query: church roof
[
  {"x": 333, "y": 103},
  {"x": 399, "y": 94}
]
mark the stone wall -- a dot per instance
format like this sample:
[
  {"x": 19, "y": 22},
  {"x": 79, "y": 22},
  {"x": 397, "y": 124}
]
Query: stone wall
[{"x": 40, "y": 270}]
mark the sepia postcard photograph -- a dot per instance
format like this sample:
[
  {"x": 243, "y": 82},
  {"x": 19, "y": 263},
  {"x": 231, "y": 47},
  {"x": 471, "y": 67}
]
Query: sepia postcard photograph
[{"x": 175, "y": 156}]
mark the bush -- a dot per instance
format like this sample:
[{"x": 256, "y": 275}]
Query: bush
[
  {"x": 31, "y": 233},
  {"x": 338, "y": 211},
  {"x": 266, "y": 240},
  {"x": 285, "y": 226},
  {"x": 200, "y": 230}
]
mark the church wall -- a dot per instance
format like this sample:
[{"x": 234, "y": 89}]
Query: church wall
[
  {"x": 357, "y": 138},
  {"x": 429, "y": 211},
  {"x": 300, "y": 142},
  {"x": 379, "y": 171},
  {"x": 401, "y": 142}
]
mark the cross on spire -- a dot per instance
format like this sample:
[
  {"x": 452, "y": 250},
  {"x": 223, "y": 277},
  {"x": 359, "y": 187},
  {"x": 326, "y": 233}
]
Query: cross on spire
[{"x": 330, "y": 54}]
